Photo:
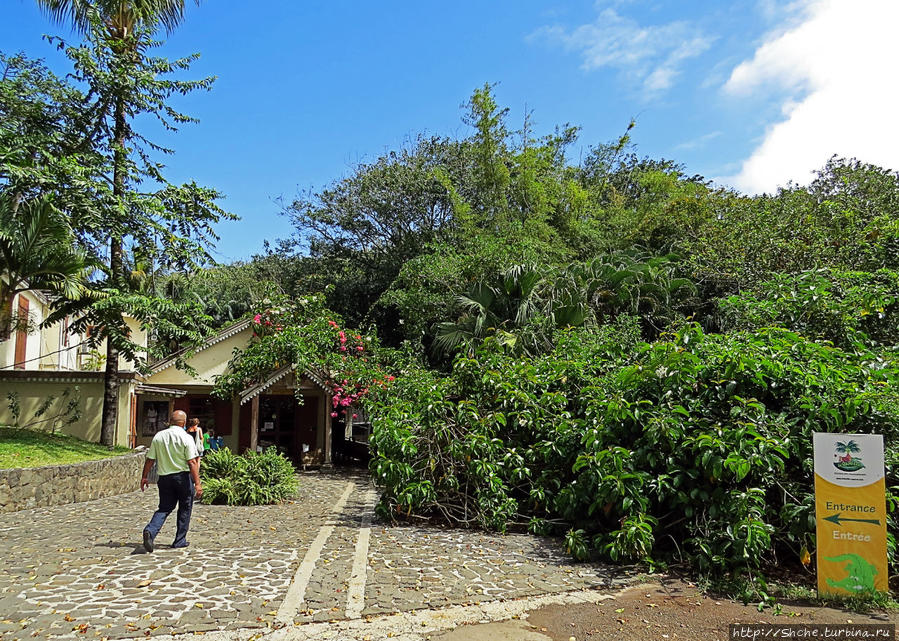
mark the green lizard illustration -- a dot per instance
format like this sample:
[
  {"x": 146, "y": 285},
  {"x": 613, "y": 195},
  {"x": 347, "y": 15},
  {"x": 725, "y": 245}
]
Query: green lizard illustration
[{"x": 860, "y": 574}]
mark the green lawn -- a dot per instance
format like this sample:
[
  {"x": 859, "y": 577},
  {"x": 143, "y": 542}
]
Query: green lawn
[{"x": 26, "y": 448}]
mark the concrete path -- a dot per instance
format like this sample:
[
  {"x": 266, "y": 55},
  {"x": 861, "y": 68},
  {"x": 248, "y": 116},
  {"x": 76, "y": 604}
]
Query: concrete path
[{"x": 302, "y": 570}]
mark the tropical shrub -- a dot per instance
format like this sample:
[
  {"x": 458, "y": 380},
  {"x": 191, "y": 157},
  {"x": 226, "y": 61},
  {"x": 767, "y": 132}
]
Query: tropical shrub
[
  {"x": 844, "y": 308},
  {"x": 696, "y": 447},
  {"x": 248, "y": 479}
]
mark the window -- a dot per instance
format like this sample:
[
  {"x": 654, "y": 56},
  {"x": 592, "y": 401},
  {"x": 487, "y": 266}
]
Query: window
[{"x": 155, "y": 417}]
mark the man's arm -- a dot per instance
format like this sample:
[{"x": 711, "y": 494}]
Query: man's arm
[
  {"x": 148, "y": 464},
  {"x": 194, "y": 465}
]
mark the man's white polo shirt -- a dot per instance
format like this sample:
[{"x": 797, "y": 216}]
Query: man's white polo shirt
[{"x": 172, "y": 448}]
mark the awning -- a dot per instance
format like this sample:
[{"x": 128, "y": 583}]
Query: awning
[{"x": 159, "y": 391}]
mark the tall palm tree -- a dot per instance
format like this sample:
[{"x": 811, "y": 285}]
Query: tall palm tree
[
  {"x": 121, "y": 18},
  {"x": 37, "y": 251}
]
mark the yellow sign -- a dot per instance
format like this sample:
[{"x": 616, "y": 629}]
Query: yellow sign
[{"x": 850, "y": 508}]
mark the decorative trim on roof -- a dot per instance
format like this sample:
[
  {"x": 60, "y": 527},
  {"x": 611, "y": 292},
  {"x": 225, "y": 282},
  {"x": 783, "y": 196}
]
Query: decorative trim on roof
[
  {"x": 223, "y": 335},
  {"x": 159, "y": 391},
  {"x": 257, "y": 389},
  {"x": 318, "y": 378}
]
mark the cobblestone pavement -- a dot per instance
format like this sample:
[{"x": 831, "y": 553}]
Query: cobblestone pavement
[{"x": 80, "y": 570}]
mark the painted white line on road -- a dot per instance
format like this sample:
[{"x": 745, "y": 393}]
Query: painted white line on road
[
  {"x": 356, "y": 589},
  {"x": 290, "y": 606}
]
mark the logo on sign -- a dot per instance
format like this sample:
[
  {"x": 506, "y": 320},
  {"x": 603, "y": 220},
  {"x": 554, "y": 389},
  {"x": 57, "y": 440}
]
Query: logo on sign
[{"x": 846, "y": 462}]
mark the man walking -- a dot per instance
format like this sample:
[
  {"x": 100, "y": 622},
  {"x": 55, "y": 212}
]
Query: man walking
[{"x": 178, "y": 464}]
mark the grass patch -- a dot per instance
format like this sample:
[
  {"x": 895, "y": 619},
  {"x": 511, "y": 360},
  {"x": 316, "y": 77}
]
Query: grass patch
[
  {"x": 28, "y": 448},
  {"x": 787, "y": 592}
]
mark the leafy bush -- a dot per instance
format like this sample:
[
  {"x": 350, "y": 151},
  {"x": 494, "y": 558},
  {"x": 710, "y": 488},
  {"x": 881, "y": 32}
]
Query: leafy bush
[
  {"x": 696, "y": 447},
  {"x": 845, "y": 308},
  {"x": 249, "y": 479}
]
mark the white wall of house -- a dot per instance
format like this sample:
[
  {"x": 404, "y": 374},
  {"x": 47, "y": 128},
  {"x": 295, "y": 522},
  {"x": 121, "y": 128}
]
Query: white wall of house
[
  {"x": 38, "y": 309},
  {"x": 53, "y": 347}
]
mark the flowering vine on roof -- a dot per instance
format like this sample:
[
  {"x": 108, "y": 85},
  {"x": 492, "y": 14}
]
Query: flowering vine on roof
[{"x": 306, "y": 334}]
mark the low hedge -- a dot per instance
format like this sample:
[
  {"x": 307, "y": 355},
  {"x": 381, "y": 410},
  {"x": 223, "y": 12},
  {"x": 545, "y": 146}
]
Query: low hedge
[{"x": 248, "y": 479}]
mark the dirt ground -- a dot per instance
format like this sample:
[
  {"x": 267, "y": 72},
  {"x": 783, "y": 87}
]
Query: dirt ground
[{"x": 673, "y": 609}]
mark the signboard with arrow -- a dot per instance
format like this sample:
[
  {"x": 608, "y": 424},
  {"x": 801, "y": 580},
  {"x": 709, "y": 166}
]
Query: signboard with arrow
[{"x": 850, "y": 508}]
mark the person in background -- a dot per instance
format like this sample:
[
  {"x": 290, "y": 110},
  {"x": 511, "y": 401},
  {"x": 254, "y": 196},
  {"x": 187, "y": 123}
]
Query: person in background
[
  {"x": 196, "y": 433},
  {"x": 178, "y": 462},
  {"x": 208, "y": 440}
]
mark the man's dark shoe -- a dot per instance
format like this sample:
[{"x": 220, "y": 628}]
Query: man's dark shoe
[
  {"x": 182, "y": 545},
  {"x": 148, "y": 541}
]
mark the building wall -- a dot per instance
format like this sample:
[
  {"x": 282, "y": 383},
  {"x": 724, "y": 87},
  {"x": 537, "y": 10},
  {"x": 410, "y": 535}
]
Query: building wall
[
  {"x": 208, "y": 363},
  {"x": 33, "y": 390},
  {"x": 52, "y": 348}
]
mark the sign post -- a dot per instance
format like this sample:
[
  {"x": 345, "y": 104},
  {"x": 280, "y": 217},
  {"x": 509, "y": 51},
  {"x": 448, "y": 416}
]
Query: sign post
[{"x": 850, "y": 510}]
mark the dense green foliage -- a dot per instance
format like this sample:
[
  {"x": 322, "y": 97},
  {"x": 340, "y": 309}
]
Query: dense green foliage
[
  {"x": 249, "y": 479},
  {"x": 693, "y": 448},
  {"x": 848, "y": 309}
]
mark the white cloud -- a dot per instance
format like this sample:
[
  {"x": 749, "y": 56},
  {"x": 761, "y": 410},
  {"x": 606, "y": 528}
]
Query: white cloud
[
  {"x": 835, "y": 68},
  {"x": 651, "y": 54}
]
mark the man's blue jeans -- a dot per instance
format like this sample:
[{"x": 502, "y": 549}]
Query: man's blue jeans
[{"x": 174, "y": 489}]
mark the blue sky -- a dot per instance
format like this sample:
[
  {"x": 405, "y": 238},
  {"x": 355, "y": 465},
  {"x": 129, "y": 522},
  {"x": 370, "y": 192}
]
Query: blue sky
[{"x": 751, "y": 93}]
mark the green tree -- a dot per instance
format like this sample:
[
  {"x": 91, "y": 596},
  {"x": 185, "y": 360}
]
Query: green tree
[
  {"x": 850, "y": 447},
  {"x": 358, "y": 232},
  {"x": 504, "y": 307},
  {"x": 171, "y": 222},
  {"x": 43, "y": 147}
]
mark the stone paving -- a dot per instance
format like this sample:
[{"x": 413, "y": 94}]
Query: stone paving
[{"x": 79, "y": 570}]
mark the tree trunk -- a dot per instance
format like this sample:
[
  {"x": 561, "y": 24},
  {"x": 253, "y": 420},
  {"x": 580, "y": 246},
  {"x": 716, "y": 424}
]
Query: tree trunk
[
  {"x": 110, "y": 414},
  {"x": 7, "y": 297}
]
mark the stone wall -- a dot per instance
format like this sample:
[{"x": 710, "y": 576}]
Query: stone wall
[{"x": 61, "y": 484}]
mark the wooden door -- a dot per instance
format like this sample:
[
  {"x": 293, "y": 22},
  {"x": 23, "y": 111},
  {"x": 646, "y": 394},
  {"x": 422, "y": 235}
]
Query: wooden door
[{"x": 307, "y": 423}]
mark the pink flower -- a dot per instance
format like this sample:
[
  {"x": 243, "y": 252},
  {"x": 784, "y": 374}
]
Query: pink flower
[
  {"x": 391, "y": 378},
  {"x": 333, "y": 414},
  {"x": 332, "y": 323},
  {"x": 359, "y": 348},
  {"x": 257, "y": 318},
  {"x": 355, "y": 416}
]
